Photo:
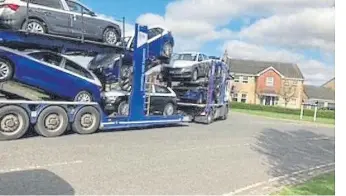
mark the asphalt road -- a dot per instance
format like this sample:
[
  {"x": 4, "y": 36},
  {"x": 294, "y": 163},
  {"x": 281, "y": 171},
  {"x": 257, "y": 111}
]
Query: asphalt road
[{"x": 196, "y": 159}]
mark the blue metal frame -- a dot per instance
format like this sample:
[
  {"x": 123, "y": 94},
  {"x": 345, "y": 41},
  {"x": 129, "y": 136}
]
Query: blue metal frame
[{"x": 137, "y": 117}]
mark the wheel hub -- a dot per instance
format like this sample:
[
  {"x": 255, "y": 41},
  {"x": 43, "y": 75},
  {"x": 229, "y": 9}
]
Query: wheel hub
[
  {"x": 111, "y": 37},
  {"x": 9, "y": 123},
  {"x": 52, "y": 122},
  {"x": 87, "y": 121},
  {"x": 35, "y": 27},
  {"x": 4, "y": 70}
]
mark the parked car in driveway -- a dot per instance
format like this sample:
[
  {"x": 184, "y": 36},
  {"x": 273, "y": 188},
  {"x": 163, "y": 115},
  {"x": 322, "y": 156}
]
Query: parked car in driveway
[
  {"x": 163, "y": 100},
  {"x": 187, "y": 66},
  {"x": 51, "y": 73},
  {"x": 59, "y": 17}
]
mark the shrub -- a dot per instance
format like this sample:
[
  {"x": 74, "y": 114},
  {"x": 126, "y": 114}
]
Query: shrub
[{"x": 307, "y": 112}]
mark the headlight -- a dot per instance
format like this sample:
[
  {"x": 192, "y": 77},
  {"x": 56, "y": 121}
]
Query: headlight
[
  {"x": 186, "y": 69},
  {"x": 167, "y": 50}
]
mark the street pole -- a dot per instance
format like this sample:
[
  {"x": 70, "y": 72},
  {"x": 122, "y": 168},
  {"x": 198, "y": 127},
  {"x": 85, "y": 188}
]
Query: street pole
[
  {"x": 301, "y": 112},
  {"x": 315, "y": 114}
]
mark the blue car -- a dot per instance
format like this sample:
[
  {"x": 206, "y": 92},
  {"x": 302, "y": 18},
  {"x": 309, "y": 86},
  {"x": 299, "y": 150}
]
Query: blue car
[{"x": 50, "y": 72}]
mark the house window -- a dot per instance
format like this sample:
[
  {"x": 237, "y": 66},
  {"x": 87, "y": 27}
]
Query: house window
[
  {"x": 295, "y": 82},
  {"x": 269, "y": 81},
  {"x": 245, "y": 79},
  {"x": 243, "y": 98},
  {"x": 235, "y": 97},
  {"x": 236, "y": 78}
]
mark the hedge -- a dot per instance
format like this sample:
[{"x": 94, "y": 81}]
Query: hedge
[{"x": 307, "y": 112}]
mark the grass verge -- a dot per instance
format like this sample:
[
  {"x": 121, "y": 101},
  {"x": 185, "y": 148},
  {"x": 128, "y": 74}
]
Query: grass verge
[
  {"x": 285, "y": 116},
  {"x": 321, "y": 185}
]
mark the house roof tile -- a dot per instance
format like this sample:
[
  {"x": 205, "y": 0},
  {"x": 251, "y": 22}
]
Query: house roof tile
[
  {"x": 288, "y": 70},
  {"x": 318, "y": 92}
]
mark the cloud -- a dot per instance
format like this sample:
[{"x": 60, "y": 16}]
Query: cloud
[
  {"x": 315, "y": 72},
  {"x": 296, "y": 30}
]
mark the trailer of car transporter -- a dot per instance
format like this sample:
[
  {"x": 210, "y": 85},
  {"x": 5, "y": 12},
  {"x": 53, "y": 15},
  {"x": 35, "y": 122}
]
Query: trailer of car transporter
[
  {"x": 51, "y": 118},
  {"x": 210, "y": 101}
]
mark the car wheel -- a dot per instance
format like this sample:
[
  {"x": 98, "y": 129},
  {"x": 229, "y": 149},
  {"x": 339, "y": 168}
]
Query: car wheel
[
  {"x": 111, "y": 36},
  {"x": 52, "y": 122},
  {"x": 87, "y": 120},
  {"x": 123, "y": 108},
  {"x": 168, "y": 109},
  {"x": 83, "y": 96},
  {"x": 125, "y": 71},
  {"x": 194, "y": 75},
  {"x": 34, "y": 26},
  {"x": 14, "y": 122},
  {"x": 6, "y": 70}
]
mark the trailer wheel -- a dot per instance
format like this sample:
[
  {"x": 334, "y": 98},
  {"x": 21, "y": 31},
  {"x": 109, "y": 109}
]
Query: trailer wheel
[
  {"x": 210, "y": 117},
  {"x": 14, "y": 122},
  {"x": 52, "y": 122},
  {"x": 87, "y": 120},
  {"x": 225, "y": 116}
]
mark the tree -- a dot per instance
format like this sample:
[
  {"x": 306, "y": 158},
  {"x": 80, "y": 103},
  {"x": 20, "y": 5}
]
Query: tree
[{"x": 287, "y": 92}]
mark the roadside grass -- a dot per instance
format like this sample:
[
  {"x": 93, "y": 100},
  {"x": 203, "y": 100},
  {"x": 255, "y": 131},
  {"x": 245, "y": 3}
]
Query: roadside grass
[
  {"x": 285, "y": 116},
  {"x": 320, "y": 185}
]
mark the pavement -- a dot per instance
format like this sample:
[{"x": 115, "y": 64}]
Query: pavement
[{"x": 242, "y": 155}]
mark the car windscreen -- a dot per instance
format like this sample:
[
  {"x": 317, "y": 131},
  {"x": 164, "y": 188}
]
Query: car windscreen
[
  {"x": 185, "y": 57},
  {"x": 103, "y": 60}
]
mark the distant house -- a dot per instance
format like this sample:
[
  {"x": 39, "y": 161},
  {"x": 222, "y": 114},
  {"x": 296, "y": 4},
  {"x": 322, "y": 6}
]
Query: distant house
[
  {"x": 330, "y": 84},
  {"x": 266, "y": 83},
  {"x": 322, "y": 96}
]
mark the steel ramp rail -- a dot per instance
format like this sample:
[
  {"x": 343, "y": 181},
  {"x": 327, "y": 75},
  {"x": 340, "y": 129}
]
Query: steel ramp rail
[
  {"x": 25, "y": 40},
  {"x": 12, "y": 88}
]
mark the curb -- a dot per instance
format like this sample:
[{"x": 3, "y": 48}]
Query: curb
[{"x": 289, "y": 120}]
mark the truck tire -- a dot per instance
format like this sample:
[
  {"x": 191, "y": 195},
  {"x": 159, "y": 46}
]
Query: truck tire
[
  {"x": 52, "y": 122},
  {"x": 87, "y": 120},
  {"x": 14, "y": 122},
  {"x": 225, "y": 115},
  {"x": 210, "y": 117}
]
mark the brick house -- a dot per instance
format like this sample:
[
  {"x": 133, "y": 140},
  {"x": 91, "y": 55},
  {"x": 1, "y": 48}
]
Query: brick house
[
  {"x": 323, "y": 95},
  {"x": 266, "y": 83}
]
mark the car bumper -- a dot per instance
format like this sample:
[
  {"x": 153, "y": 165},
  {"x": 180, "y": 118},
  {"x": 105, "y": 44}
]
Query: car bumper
[
  {"x": 176, "y": 73},
  {"x": 10, "y": 21}
]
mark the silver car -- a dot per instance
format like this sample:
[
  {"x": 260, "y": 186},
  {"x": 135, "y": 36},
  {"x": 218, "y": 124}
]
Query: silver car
[{"x": 60, "y": 17}]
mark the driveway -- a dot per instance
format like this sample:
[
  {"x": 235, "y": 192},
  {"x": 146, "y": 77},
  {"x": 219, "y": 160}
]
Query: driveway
[{"x": 230, "y": 156}]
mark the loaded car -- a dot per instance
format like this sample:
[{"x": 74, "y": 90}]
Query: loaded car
[
  {"x": 163, "y": 100},
  {"x": 50, "y": 72},
  {"x": 187, "y": 66},
  {"x": 60, "y": 17},
  {"x": 107, "y": 66}
]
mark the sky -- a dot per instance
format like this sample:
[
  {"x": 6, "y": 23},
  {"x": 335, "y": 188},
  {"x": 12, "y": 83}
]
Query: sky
[{"x": 301, "y": 32}]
